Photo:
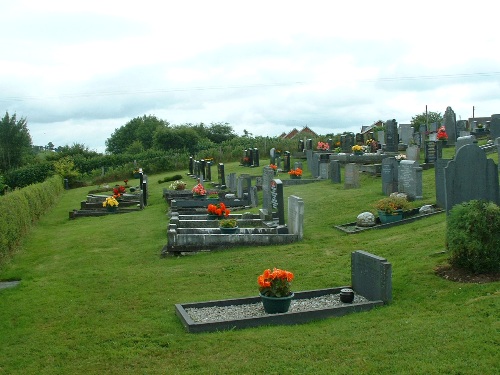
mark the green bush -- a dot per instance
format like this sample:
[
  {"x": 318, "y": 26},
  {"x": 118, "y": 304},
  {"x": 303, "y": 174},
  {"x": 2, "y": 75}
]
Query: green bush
[
  {"x": 473, "y": 236},
  {"x": 170, "y": 178},
  {"x": 30, "y": 174},
  {"x": 21, "y": 208}
]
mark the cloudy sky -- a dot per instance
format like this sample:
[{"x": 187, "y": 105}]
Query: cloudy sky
[{"x": 77, "y": 70}]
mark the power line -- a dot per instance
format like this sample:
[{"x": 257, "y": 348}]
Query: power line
[{"x": 246, "y": 86}]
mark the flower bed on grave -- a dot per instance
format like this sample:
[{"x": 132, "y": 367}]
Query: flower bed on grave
[{"x": 408, "y": 217}]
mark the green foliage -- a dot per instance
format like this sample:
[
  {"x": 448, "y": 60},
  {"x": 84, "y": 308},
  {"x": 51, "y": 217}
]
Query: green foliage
[
  {"x": 65, "y": 167},
  {"x": 30, "y": 174},
  {"x": 15, "y": 142},
  {"x": 170, "y": 178},
  {"x": 473, "y": 236},
  {"x": 423, "y": 119},
  {"x": 19, "y": 209}
]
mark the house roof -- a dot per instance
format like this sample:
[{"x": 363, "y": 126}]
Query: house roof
[{"x": 295, "y": 132}]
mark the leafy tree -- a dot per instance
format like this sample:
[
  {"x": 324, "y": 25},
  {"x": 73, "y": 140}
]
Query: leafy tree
[
  {"x": 138, "y": 129},
  {"x": 422, "y": 119},
  {"x": 15, "y": 142},
  {"x": 220, "y": 132}
]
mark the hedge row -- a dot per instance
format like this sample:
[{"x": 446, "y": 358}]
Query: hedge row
[{"x": 21, "y": 208}]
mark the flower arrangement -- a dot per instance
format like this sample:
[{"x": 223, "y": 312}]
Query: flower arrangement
[
  {"x": 178, "y": 185},
  {"x": 110, "y": 202},
  {"x": 228, "y": 223},
  {"x": 117, "y": 191},
  {"x": 323, "y": 146},
  {"x": 441, "y": 134},
  {"x": 218, "y": 209},
  {"x": 276, "y": 283},
  {"x": 480, "y": 126},
  {"x": 273, "y": 167},
  {"x": 199, "y": 189},
  {"x": 357, "y": 148},
  {"x": 391, "y": 204},
  {"x": 295, "y": 172},
  {"x": 400, "y": 157},
  {"x": 338, "y": 150},
  {"x": 213, "y": 195}
]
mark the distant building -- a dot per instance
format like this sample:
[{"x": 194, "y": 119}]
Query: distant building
[
  {"x": 306, "y": 132},
  {"x": 368, "y": 128}
]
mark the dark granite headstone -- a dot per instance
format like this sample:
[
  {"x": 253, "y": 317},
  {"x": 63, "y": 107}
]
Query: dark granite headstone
[
  {"x": 359, "y": 139},
  {"x": 277, "y": 200},
  {"x": 432, "y": 151},
  {"x": 335, "y": 172},
  {"x": 391, "y": 136},
  {"x": 450, "y": 123},
  {"x": 208, "y": 171},
  {"x": 471, "y": 175},
  {"x": 202, "y": 169},
  {"x": 389, "y": 176},
  {"x": 371, "y": 276},
  {"x": 256, "y": 158},
  {"x": 286, "y": 159},
  {"x": 309, "y": 144},
  {"x": 314, "y": 168},
  {"x": 191, "y": 166},
  {"x": 221, "y": 176},
  {"x": 349, "y": 142},
  {"x": 301, "y": 146}
]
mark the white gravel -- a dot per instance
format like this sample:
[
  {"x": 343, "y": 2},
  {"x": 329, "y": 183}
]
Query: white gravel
[{"x": 254, "y": 310}]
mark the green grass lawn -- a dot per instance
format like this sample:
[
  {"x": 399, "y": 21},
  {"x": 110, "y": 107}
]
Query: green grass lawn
[{"x": 96, "y": 297}]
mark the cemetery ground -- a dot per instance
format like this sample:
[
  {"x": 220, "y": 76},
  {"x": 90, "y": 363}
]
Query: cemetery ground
[{"x": 95, "y": 296}]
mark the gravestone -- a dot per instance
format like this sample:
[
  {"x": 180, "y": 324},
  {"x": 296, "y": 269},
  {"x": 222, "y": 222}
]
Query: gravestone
[
  {"x": 423, "y": 134},
  {"x": 359, "y": 139},
  {"x": 351, "y": 176},
  {"x": 335, "y": 171},
  {"x": 256, "y": 157},
  {"x": 243, "y": 185},
  {"x": 324, "y": 166},
  {"x": 432, "y": 151},
  {"x": 295, "y": 216},
  {"x": 462, "y": 141},
  {"x": 298, "y": 164},
  {"x": 191, "y": 166},
  {"x": 413, "y": 153},
  {"x": 231, "y": 182},
  {"x": 471, "y": 175},
  {"x": 309, "y": 144},
  {"x": 272, "y": 155},
  {"x": 461, "y": 127},
  {"x": 381, "y": 136},
  {"x": 343, "y": 143},
  {"x": 495, "y": 126},
  {"x": 439, "y": 166},
  {"x": 267, "y": 178},
  {"x": 349, "y": 142},
  {"x": 286, "y": 161},
  {"x": 208, "y": 171},
  {"x": 277, "y": 201},
  {"x": 371, "y": 276},
  {"x": 391, "y": 136},
  {"x": 300, "y": 146},
  {"x": 389, "y": 175},
  {"x": 410, "y": 179},
  {"x": 249, "y": 155},
  {"x": 405, "y": 133},
  {"x": 202, "y": 169},
  {"x": 450, "y": 123},
  {"x": 330, "y": 144},
  {"x": 221, "y": 177},
  {"x": 433, "y": 127},
  {"x": 314, "y": 168},
  {"x": 254, "y": 199}
]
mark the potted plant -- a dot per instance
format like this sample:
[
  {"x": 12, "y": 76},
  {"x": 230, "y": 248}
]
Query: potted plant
[
  {"x": 357, "y": 149},
  {"x": 275, "y": 292},
  {"x": 295, "y": 173},
  {"x": 228, "y": 226},
  {"x": 177, "y": 185},
  {"x": 217, "y": 211},
  {"x": 391, "y": 208},
  {"x": 199, "y": 191},
  {"x": 111, "y": 204}
]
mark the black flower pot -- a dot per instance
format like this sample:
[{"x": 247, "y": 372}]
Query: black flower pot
[{"x": 347, "y": 295}]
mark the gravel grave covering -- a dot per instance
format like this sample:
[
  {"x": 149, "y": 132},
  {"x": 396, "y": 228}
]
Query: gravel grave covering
[{"x": 255, "y": 310}]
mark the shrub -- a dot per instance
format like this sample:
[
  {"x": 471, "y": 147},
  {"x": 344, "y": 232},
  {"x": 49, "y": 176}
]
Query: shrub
[{"x": 473, "y": 236}]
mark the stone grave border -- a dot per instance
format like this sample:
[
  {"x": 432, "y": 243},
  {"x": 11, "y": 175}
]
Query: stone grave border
[
  {"x": 371, "y": 277},
  {"x": 410, "y": 217}
]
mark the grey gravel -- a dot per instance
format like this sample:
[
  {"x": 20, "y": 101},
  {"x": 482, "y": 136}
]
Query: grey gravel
[{"x": 255, "y": 310}]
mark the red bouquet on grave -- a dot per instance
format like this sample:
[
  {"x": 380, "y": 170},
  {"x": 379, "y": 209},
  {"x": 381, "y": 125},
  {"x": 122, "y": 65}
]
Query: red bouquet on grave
[
  {"x": 218, "y": 209},
  {"x": 441, "y": 134},
  {"x": 118, "y": 191}
]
